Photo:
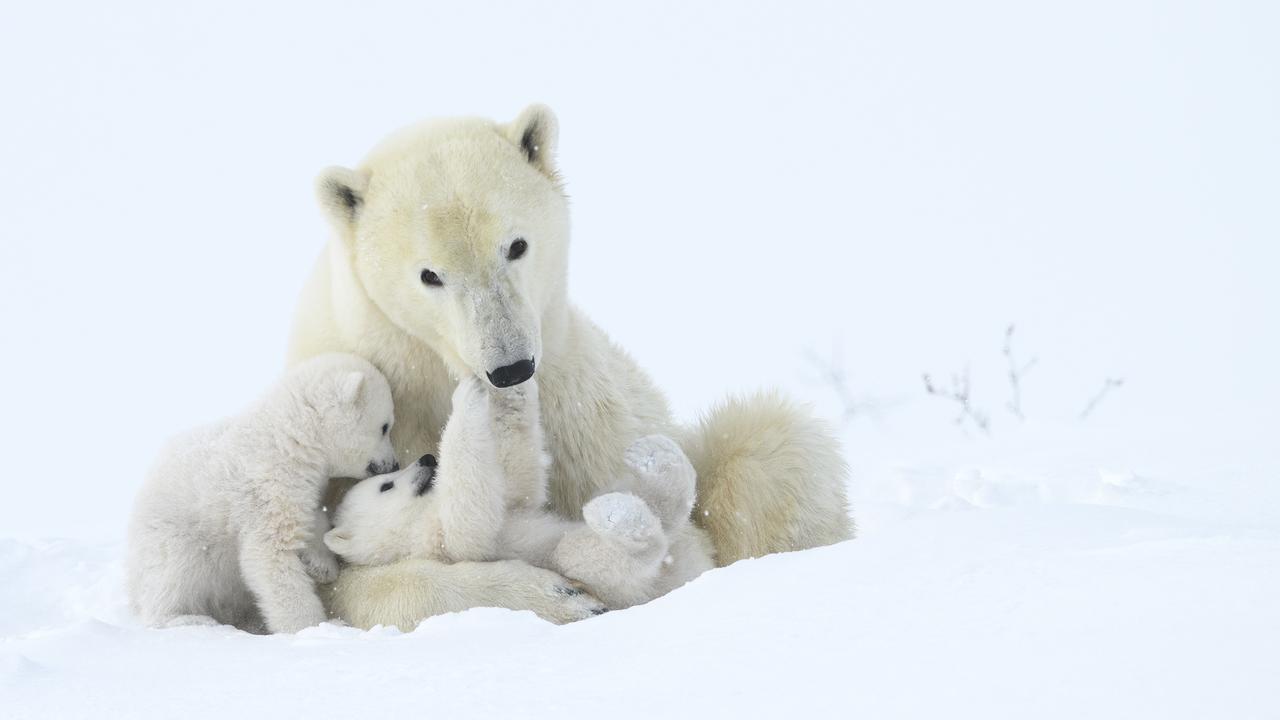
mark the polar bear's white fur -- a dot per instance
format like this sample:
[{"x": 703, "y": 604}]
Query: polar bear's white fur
[
  {"x": 450, "y": 259},
  {"x": 631, "y": 546},
  {"x": 402, "y": 594},
  {"x": 227, "y": 527}
]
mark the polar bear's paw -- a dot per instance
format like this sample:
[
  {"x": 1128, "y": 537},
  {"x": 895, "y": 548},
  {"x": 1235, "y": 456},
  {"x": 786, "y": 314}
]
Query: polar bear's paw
[
  {"x": 664, "y": 477},
  {"x": 565, "y": 601},
  {"x": 622, "y": 517}
]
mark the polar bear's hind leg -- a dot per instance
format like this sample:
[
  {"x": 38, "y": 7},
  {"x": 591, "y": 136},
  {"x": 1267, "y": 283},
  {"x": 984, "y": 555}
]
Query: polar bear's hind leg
[{"x": 770, "y": 478}]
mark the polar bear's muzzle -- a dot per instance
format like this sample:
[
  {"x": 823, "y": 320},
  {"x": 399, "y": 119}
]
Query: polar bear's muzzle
[{"x": 513, "y": 374}]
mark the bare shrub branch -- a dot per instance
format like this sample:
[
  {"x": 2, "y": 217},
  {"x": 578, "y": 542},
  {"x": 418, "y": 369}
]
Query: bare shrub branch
[
  {"x": 1016, "y": 373},
  {"x": 1107, "y": 386},
  {"x": 959, "y": 392},
  {"x": 830, "y": 372}
]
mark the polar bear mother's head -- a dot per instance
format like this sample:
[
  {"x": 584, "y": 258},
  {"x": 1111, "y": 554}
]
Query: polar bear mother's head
[{"x": 457, "y": 230}]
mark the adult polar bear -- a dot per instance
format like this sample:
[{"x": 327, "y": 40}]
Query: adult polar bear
[{"x": 450, "y": 258}]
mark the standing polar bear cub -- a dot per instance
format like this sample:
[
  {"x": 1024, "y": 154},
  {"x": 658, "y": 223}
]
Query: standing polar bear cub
[
  {"x": 227, "y": 527},
  {"x": 631, "y": 547},
  {"x": 450, "y": 259}
]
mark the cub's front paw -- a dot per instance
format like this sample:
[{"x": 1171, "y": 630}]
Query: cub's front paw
[
  {"x": 320, "y": 563},
  {"x": 470, "y": 393}
]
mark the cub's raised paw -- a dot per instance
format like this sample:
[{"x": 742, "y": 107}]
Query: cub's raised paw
[
  {"x": 470, "y": 393},
  {"x": 622, "y": 517},
  {"x": 664, "y": 477},
  {"x": 655, "y": 454}
]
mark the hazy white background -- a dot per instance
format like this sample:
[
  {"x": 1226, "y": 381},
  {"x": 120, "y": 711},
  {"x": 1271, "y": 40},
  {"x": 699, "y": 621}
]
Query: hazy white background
[
  {"x": 889, "y": 184},
  {"x": 894, "y": 180}
]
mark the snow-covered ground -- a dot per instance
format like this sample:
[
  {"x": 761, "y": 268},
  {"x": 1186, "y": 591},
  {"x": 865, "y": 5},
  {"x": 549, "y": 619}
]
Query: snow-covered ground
[
  {"x": 1033, "y": 582},
  {"x": 762, "y": 193}
]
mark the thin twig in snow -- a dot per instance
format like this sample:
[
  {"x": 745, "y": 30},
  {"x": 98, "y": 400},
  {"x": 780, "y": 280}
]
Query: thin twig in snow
[
  {"x": 1016, "y": 373},
  {"x": 959, "y": 393},
  {"x": 1107, "y": 386},
  {"x": 831, "y": 373}
]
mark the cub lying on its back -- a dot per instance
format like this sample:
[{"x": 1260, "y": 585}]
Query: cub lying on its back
[
  {"x": 227, "y": 527},
  {"x": 485, "y": 502}
]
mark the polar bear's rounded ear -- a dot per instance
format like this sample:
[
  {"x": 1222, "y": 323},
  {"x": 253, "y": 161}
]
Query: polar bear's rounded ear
[
  {"x": 341, "y": 194},
  {"x": 536, "y": 131}
]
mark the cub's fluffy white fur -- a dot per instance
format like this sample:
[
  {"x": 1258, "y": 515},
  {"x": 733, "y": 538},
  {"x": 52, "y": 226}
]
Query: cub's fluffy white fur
[
  {"x": 227, "y": 527},
  {"x": 484, "y": 502}
]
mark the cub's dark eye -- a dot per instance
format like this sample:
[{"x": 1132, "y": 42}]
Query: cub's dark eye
[
  {"x": 517, "y": 249},
  {"x": 387, "y": 486},
  {"x": 430, "y": 278},
  {"x": 385, "y": 428}
]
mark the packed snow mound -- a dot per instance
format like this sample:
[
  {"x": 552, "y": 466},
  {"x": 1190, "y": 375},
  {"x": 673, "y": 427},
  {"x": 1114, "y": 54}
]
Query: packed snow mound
[{"x": 975, "y": 590}]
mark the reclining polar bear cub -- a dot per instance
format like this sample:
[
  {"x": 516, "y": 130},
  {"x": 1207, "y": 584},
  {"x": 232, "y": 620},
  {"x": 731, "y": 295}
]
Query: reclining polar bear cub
[
  {"x": 227, "y": 527},
  {"x": 485, "y": 502}
]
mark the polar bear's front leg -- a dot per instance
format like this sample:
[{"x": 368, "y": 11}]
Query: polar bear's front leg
[
  {"x": 275, "y": 575},
  {"x": 618, "y": 553},
  {"x": 406, "y": 592}
]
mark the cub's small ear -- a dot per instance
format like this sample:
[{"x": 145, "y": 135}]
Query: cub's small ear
[
  {"x": 341, "y": 194},
  {"x": 337, "y": 541},
  {"x": 349, "y": 389},
  {"x": 536, "y": 132}
]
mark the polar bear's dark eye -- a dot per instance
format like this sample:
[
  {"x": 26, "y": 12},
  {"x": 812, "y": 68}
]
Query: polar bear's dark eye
[
  {"x": 385, "y": 428},
  {"x": 430, "y": 278},
  {"x": 387, "y": 486},
  {"x": 517, "y": 249}
]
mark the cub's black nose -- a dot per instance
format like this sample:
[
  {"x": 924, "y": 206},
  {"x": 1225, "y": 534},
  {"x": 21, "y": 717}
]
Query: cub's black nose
[
  {"x": 375, "y": 468},
  {"x": 425, "y": 478},
  {"x": 513, "y": 374}
]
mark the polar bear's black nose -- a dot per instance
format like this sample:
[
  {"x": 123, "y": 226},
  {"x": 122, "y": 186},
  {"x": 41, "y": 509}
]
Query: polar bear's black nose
[
  {"x": 427, "y": 460},
  {"x": 513, "y": 374}
]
